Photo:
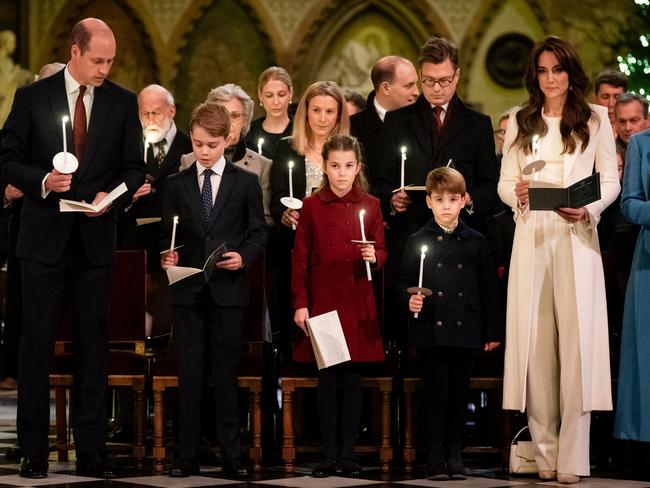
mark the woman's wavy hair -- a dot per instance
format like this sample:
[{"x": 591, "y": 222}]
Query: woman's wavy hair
[
  {"x": 301, "y": 137},
  {"x": 576, "y": 113}
]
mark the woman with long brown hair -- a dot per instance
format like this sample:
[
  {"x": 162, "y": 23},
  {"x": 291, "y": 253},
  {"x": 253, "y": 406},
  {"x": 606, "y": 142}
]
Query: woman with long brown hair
[{"x": 557, "y": 354}]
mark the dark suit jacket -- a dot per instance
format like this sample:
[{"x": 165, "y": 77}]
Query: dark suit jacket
[
  {"x": 464, "y": 310},
  {"x": 466, "y": 138},
  {"x": 113, "y": 154},
  {"x": 366, "y": 126},
  {"x": 237, "y": 219}
]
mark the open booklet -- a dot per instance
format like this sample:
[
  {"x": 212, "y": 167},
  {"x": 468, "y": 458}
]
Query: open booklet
[
  {"x": 578, "y": 195},
  {"x": 327, "y": 339},
  {"x": 186, "y": 277},
  {"x": 74, "y": 206}
]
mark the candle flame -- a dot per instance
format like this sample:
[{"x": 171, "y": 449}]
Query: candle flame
[
  {"x": 260, "y": 141},
  {"x": 535, "y": 138},
  {"x": 362, "y": 213},
  {"x": 65, "y": 119},
  {"x": 403, "y": 149},
  {"x": 424, "y": 249},
  {"x": 176, "y": 219},
  {"x": 290, "y": 164}
]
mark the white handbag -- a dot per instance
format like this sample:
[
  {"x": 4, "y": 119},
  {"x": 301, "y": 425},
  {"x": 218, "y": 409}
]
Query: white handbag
[{"x": 522, "y": 456}]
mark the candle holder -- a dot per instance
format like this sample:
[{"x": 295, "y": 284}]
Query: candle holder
[
  {"x": 65, "y": 162},
  {"x": 533, "y": 169},
  {"x": 419, "y": 290}
]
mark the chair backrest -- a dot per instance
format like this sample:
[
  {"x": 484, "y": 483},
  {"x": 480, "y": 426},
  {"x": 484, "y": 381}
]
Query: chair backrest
[{"x": 126, "y": 313}]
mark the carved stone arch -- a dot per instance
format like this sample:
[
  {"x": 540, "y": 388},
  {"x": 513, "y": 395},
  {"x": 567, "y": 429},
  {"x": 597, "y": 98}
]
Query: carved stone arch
[
  {"x": 135, "y": 65},
  {"x": 221, "y": 42},
  {"x": 413, "y": 20},
  {"x": 477, "y": 27}
]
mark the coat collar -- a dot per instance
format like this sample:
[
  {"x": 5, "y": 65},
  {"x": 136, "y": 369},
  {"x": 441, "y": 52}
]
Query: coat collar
[
  {"x": 353, "y": 196},
  {"x": 461, "y": 229}
]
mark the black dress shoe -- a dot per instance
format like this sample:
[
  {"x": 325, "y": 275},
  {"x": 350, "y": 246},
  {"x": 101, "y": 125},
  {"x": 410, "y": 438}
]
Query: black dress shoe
[
  {"x": 234, "y": 468},
  {"x": 324, "y": 469},
  {"x": 350, "y": 468},
  {"x": 34, "y": 467},
  {"x": 184, "y": 468},
  {"x": 455, "y": 466},
  {"x": 436, "y": 466},
  {"x": 95, "y": 466}
]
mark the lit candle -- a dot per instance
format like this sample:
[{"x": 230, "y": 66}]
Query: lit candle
[
  {"x": 171, "y": 246},
  {"x": 260, "y": 142},
  {"x": 363, "y": 238},
  {"x": 450, "y": 163},
  {"x": 64, "y": 120},
  {"x": 535, "y": 146},
  {"x": 146, "y": 149},
  {"x": 403, "y": 151},
  {"x": 290, "y": 179},
  {"x": 423, "y": 251}
]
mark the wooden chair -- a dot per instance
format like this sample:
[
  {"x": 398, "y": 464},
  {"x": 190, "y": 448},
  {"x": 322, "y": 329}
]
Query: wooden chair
[
  {"x": 488, "y": 377},
  {"x": 164, "y": 375},
  {"x": 379, "y": 377},
  {"x": 126, "y": 360}
]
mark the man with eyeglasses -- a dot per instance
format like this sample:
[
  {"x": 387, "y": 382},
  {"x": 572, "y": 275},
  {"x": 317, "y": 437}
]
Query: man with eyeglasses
[{"x": 437, "y": 128}]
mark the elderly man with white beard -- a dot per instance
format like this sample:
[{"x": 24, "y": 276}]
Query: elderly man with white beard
[{"x": 140, "y": 223}]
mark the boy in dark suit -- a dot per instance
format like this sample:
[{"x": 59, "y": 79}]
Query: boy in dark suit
[
  {"x": 216, "y": 202},
  {"x": 461, "y": 317}
]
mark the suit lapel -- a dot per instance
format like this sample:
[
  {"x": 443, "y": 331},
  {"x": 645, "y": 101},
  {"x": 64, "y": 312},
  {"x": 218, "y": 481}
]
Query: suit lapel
[
  {"x": 98, "y": 114},
  {"x": 191, "y": 184},
  {"x": 172, "y": 159},
  {"x": 60, "y": 108},
  {"x": 228, "y": 181},
  {"x": 421, "y": 125}
]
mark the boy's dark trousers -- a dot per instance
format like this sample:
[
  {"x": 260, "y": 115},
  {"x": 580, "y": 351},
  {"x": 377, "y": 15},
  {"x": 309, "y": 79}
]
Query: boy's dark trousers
[
  {"x": 207, "y": 329},
  {"x": 445, "y": 373}
]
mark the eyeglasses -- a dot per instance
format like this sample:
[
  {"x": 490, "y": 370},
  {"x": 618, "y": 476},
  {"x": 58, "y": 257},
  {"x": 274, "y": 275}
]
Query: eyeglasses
[
  {"x": 500, "y": 132},
  {"x": 236, "y": 115},
  {"x": 443, "y": 82}
]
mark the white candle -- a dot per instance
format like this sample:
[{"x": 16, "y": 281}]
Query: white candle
[
  {"x": 535, "y": 147},
  {"x": 403, "y": 151},
  {"x": 423, "y": 251},
  {"x": 64, "y": 120},
  {"x": 290, "y": 179},
  {"x": 260, "y": 142},
  {"x": 171, "y": 246},
  {"x": 146, "y": 149},
  {"x": 363, "y": 238}
]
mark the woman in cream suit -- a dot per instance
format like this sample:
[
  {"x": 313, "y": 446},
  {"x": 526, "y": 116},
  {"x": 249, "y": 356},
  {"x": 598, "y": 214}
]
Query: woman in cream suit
[{"x": 557, "y": 353}]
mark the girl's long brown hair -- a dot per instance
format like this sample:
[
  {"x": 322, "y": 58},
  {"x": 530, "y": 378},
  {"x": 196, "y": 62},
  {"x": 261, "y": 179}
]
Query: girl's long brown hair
[{"x": 576, "y": 112}]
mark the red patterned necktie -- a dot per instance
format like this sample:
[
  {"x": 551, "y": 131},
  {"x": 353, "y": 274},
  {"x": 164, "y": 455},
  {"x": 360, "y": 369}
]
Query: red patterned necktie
[
  {"x": 438, "y": 113},
  {"x": 79, "y": 129}
]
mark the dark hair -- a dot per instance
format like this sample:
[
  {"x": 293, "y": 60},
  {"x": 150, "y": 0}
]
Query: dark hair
[
  {"x": 212, "y": 117},
  {"x": 355, "y": 99},
  {"x": 445, "y": 179},
  {"x": 627, "y": 97},
  {"x": 610, "y": 77},
  {"x": 576, "y": 112},
  {"x": 384, "y": 70},
  {"x": 344, "y": 142},
  {"x": 438, "y": 49},
  {"x": 81, "y": 35}
]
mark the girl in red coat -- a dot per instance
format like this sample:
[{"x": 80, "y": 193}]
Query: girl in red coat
[{"x": 329, "y": 273}]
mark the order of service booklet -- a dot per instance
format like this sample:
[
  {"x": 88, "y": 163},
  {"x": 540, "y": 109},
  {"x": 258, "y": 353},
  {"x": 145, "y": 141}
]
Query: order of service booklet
[
  {"x": 578, "y": 195},
  {"x": 327, "y": 339},
  {"x": 74, "y": 206},
  {"x": 186, "y": 277}
]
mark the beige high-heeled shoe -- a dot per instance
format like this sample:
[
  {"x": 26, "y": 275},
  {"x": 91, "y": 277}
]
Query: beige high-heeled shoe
[
  {"x": 546, "y": 475},
  {"x": 568, "y": 479}
]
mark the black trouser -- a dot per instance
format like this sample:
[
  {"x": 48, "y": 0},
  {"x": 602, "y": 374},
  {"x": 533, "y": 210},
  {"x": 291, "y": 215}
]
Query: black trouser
[
  {"x": 43, "y": 286},
  {"x": 201, "y": 329},
  {"x": 445, "y": 373},
  {"x": 346, "y": 375}
]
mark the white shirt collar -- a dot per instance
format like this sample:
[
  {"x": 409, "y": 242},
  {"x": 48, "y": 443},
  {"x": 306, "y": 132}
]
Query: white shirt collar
[
  {"x": 171, "y": 133},
  {"x": 444, "y": 107},
  {"x": 218, "y": 167},
  {"x": 381, "y": 111},
  {"x": 72, "y": 85}
]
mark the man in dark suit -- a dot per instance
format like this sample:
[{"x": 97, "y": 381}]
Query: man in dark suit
[
  {"x": 395, "y": 83},
  {"x": 437, "y": 128},
  {"x": 77, "y": 250},
  {"x": 216, "y": 203}
]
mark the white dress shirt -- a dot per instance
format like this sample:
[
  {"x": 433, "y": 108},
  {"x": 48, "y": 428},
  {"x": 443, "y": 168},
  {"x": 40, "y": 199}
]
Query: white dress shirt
[{"x": 215, "y": 179}]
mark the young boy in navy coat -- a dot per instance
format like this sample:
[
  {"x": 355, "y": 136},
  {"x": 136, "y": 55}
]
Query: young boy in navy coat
[
  {"x": 216, "y": 202},
  {"x": 459, "y": 318}
]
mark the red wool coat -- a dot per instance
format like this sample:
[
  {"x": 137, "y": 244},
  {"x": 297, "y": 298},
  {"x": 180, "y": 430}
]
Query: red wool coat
[{"x": 328, "y": 272}]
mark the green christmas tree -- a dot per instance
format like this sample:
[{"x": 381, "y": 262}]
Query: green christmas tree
[{"x": 636, "y": 62}]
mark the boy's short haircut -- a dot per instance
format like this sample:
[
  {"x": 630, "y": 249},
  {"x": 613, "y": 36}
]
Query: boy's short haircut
[
  {"x": 212, "y": 117},
  {"x": 444, "y": 179}
]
